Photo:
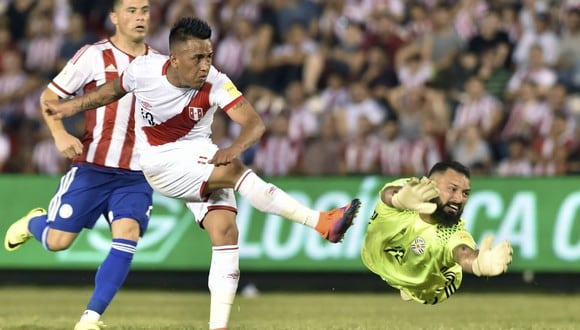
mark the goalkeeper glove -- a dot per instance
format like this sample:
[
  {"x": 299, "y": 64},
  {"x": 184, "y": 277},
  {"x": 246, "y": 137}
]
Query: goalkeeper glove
[
  {"x": 415, "y": 195},
  {"x": 492, "y": 261}
]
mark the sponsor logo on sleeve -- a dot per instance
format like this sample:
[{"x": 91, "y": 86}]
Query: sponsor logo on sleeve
[{"x": 232, "y": 89}]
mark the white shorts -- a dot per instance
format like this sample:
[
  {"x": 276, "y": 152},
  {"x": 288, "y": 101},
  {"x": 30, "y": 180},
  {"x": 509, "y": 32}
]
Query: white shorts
[
  {"x": 222, "y": 199},
  {"x": 180, "y": 170}
]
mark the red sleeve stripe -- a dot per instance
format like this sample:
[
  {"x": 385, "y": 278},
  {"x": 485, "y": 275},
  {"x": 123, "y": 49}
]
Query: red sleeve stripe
[
  {"x": 234, "y": 102},
  {"x": 61, "y": 89}
]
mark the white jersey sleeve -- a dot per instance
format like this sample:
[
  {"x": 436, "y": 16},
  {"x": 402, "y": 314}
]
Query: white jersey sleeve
[
  {"x": 224, "y": 92},
  {"x": 77, "y": 73}
]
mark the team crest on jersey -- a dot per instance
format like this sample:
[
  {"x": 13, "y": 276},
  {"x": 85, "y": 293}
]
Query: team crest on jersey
[
  {"x": 195, "y": 113},
  {"x": 418, "y": 246}
]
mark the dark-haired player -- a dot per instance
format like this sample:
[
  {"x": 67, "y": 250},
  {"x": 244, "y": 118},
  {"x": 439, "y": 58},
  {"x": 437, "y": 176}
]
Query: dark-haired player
[
  {"x": 177, "y": 97},
  {"x": 416, "y": 240}
]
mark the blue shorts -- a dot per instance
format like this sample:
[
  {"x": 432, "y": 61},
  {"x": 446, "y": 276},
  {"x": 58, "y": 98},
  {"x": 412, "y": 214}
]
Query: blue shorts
[{"x": 86, "y": 192}]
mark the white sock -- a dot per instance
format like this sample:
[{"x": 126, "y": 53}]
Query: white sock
[
  {"x": 268, "y": 198},
  {"x": 90, "y": 315},
  {"x": 224, "y": 275}
]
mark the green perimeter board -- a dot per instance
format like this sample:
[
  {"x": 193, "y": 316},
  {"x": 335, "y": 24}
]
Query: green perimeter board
[{"x": 540, "y": 217}]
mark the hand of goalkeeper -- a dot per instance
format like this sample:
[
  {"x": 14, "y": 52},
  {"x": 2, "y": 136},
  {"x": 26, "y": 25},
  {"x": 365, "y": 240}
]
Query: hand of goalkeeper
[
  {"x": 492, "y": 261},
  {"x": 415, "y": 195}
]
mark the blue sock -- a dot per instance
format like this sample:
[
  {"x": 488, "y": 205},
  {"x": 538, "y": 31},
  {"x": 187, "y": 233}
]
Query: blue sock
[
  {"x": 111, "y": 274},
  {"x": 37, "y": 225}
]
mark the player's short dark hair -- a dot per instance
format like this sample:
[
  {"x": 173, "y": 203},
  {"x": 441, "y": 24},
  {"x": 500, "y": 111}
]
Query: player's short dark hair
[
  {"x": 187, "y": 28},
  {"x": 443, "y": 166},
  {"x": 115, "y": 4}
]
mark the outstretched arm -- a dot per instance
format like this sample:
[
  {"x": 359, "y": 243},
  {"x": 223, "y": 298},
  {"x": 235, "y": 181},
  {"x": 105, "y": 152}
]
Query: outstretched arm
[
  {"x": 253, "y": 128},
  {"x": 486, "y": 261},
  {"x": 68, "y": 145},
  {"x": 465, "y": 256},
  {"x": 102, "y": 95},
  {"x": 415, "y": 195}
]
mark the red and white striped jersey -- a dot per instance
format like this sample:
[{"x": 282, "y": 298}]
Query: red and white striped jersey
[
  {"x": 528, "y": 118},
  {"x": 480, "y": 113},
  {"x": 233, "y": 55},
  {"x": 277, "y": 156},
  {"x": 361, "y": 156},
  {"x": 423, "y": 154},
  {"x": 302, "y": 124},
  {"x": 394, "y": 156},
  {"x": 547, "y": 146},
  {"x": 168, "y": 113},
  {"x": 109, "y": 138},
  {"x": 515, "y": 167},
  {"x": 466, "y": 19}
]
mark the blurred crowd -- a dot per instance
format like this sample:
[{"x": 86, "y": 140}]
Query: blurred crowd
[{"x": 353, "y": 87}]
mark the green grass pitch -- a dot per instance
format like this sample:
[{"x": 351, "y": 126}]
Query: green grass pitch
[{"x": 30, "y": 308}]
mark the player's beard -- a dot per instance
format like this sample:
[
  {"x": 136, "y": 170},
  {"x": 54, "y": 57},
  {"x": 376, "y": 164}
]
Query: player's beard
[{"x": 445, "y": 218}]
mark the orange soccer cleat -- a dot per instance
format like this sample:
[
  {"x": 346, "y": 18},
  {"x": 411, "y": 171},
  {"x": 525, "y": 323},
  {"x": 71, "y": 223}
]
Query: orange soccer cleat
[{"x": 333, "y": 224}]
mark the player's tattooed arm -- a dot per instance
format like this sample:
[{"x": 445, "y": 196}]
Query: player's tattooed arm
[
  {"x": 102, "y": 95},
  {"x": 252, "y": 125}
]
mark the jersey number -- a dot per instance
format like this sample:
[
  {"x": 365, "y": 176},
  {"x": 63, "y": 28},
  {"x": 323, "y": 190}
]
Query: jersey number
[
  {"x": 397, "y": 252},
  {"x": 148, "y": 116}
]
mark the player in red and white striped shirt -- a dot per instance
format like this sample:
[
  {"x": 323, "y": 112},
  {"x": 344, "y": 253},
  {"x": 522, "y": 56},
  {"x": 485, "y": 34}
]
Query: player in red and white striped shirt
[
  {"x": 393, "y": 144},
  {"x": 105, "y": 178},
  {"x": 360, "y": 154},
  {"x": 278, "y": 154},
  {"x": 479, "y": 108},
  {"x": 177, "y": 97}
]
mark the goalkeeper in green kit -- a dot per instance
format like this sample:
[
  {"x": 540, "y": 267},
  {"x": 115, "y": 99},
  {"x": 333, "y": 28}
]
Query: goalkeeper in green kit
[{"x": 416, "y": 240}]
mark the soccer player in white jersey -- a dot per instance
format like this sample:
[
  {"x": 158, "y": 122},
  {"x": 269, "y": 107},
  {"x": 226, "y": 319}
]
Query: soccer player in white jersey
[
  {"x": 416, "y": 240},
  {"x": 177, "y": 97},
  {"x": 105, "y": 177}
]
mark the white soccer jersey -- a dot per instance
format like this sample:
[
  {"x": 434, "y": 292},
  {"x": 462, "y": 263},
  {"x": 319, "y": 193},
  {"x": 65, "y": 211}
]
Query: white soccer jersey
[
  {"x": 110, "y": 130},
  {"x": 169, "y": 113}
]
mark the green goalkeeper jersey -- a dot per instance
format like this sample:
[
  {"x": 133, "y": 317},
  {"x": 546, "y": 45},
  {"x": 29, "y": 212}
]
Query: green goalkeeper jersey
[{"x": 412, "y": 255}]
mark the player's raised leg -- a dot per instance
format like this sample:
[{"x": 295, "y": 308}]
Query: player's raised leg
[
  {"x": 18, "y": 233},
  {"x": 266, "y": 197},
  {"x": 194, "y": 183}
]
